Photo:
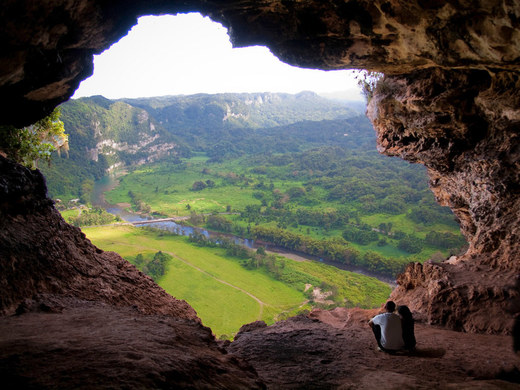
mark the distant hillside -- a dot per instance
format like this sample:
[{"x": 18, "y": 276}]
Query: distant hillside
[
  {"x": 105, "y": 134},
  {"x": 251, "y": 110}
]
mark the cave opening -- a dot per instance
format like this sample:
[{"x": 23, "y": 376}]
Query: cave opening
[
  {"x": 399, "y": 218},
  {"x": 186, "y": 54}
]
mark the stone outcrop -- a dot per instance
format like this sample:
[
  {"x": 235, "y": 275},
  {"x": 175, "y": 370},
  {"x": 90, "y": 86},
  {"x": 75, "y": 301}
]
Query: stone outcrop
[
  {"x": 90, "y": 345},
  {"x": 41, "y": 254},
  {"x": 464, "y": 126},
  {"x": 336, "y": 350},
  {"x": 47, "y": 48}
]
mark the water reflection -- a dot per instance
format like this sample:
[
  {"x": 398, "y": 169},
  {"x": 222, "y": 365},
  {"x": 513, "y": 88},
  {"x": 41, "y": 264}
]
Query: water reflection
[
  {"x": 108, "y": 183},
  {"x": 183, "y": 230}
]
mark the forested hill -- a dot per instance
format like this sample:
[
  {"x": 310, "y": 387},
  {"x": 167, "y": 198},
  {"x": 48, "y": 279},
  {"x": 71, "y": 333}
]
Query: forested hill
[
  {"x": 250, "y": 110},
  {"x": 108, "y": 134},
  {"x": 299, "y": 171}
]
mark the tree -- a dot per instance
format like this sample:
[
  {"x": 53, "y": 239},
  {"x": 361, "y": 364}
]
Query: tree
[
  {"x": 139, "y": 260},
  {"x": 411, "y": 244},
  {"x": 198, "y": 186},
  {"x": 36, "y": 142},
  {"x": 370, "y": 82}
]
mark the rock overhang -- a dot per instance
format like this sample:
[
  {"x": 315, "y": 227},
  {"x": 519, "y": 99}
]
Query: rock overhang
[{"x": 48, "y": 48}]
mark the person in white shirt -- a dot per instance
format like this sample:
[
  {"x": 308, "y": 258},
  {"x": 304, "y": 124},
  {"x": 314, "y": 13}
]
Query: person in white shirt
[{"x": 387, "y": 329}]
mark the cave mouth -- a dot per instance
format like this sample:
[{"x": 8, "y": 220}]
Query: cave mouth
[
  {"x": 159, "y": 30},
  {"x": 450, "y": 104}
]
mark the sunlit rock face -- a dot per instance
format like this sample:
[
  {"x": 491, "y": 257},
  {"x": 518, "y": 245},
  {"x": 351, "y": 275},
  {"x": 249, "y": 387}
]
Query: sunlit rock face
[
  {"x": 464, "y": 126},
  {"x": 451, "y": 102}
]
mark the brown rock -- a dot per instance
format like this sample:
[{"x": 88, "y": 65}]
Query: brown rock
[
  {"x": 87, "y": 345},
  {"x": 47, "y": 48},
  {"x": 463, "y": 126},
  {"x": 336, "y": 350}
]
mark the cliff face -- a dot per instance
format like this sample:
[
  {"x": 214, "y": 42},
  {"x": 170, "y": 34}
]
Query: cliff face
[
  {"x": 450, "y": 101},
  {"x": 463, "y": 125},
  {"x": 41, "y": 254}
]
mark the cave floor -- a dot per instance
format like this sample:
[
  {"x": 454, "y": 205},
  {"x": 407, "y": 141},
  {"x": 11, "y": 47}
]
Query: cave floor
[
  {"x": 336, "y": 350},
  {"x": 93, "y": 345}
]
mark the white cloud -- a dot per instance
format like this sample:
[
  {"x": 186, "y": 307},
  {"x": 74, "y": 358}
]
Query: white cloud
[{"x": 187, "y": 53}]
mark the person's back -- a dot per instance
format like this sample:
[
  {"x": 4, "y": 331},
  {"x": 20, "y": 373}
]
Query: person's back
[
  {"x": 407, "y": 323},
  {"x": 387, "y": 329},
  {"x": 391, "y": 330}
]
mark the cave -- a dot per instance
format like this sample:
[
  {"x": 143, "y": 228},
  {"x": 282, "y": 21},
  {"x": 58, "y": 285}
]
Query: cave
[{"x": 449, "y": 101}]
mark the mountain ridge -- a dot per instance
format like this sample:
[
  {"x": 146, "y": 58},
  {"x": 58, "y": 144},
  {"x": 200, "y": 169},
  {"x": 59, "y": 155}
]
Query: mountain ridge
[{"x": 109, "y": 134}]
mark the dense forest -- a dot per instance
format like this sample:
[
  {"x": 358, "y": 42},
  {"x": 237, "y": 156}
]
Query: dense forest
[{"x": 297, "y": 171}]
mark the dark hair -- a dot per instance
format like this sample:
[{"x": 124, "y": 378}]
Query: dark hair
[
  {"x": 390, "y": 306},
  {"x": 404, "y": 311}
]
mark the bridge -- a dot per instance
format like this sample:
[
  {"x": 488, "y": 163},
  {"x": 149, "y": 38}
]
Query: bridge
[{"x": 172, "y": 219}]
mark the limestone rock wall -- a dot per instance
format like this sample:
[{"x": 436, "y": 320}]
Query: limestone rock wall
[
  {"x": 464, "y": 126},
  {"x": 41, "y": 254},
  {"x": 47, "y": 47}
]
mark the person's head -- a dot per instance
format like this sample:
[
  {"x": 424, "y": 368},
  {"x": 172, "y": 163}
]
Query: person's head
[
  {"x": 404, "y": 311},
  {"x": 390, "y": 306}
]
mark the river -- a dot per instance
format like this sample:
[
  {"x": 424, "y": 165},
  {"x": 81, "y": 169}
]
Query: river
[{"x": 109, "y": 182}]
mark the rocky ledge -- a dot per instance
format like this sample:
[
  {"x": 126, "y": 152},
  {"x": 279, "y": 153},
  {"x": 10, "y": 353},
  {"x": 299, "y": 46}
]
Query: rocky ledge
[
  {"x": 94, "y": 345},
  {"x": 336, "y": 350},
  {"x": 68, "y": 343}
]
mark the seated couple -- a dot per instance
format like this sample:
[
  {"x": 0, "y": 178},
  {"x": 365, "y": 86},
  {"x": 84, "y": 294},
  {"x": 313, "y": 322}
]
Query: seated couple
[{"x": 394, "y": 332}]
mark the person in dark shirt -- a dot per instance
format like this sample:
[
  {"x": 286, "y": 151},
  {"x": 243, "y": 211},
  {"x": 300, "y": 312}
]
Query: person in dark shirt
[{"x": 407, "y": 324}]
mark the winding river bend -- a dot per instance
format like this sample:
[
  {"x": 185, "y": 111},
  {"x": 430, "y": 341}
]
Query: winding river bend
[{"x": 174, "y": 225}]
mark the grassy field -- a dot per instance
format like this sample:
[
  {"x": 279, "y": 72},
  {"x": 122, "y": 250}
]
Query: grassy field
[
  {"x": 167, "y": 189},
  {"x": 224, "y": 294},
  {"x": 66, "y": 214}
]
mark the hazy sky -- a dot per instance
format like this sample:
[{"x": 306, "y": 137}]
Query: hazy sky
[{"x": 187, "y": 54}]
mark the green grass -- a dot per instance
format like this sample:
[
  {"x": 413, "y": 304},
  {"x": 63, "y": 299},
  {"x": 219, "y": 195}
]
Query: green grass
[
  {"x": 217, "y": 286},
  {"x": 167, "y": 189},
  {"x": 220, "y": 306},
  {"x": 225, "y": 312},
  {"x": 66, "y": 214},
  {"x": 403, "y": 223}
]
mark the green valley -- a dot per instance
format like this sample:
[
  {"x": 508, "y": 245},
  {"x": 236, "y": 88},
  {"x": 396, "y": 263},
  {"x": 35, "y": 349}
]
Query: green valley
[
  {"x": 293, "y": 172},
  {"x": 379, "y": 220},
  {"x": 226, "y": 294}
]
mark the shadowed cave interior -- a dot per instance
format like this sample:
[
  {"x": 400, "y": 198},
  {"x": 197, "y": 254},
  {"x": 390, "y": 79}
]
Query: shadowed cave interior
[{"x": 450, "y": 102}]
